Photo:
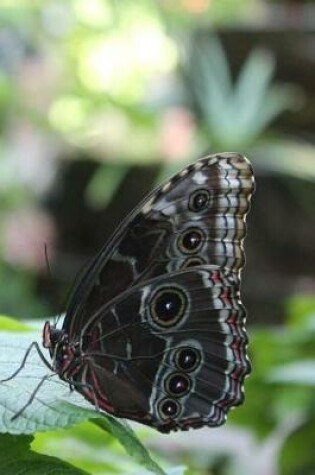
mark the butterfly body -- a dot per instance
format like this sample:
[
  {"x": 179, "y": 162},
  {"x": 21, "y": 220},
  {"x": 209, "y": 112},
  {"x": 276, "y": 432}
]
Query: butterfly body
[{"x": 155, "y": 329}]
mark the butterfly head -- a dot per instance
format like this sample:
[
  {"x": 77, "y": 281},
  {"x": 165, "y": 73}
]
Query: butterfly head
[{"x": 57, "y": 342}]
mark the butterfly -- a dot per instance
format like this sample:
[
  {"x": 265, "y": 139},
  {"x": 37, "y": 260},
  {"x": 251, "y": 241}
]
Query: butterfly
[{"x": 154, "y": 331}]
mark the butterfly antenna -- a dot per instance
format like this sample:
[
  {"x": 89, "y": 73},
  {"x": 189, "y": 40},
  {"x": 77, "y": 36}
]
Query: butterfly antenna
[
  {"x": 49, "y": 272},
  {"x": 48, "y": 267},
  {"x": 73, "y": 288}
]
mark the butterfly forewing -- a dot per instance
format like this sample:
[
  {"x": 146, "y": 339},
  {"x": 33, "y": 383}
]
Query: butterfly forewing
[{"x": 196, "y": 218}]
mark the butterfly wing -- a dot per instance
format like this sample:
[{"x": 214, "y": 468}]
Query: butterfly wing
[
  {"x": 196, "y": 218},
  {"x": 169, "y": 353},
  {"x": 158, "y": 312}
]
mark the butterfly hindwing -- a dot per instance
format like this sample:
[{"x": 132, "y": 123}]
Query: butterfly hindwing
[{"x": 170, "y": 353}]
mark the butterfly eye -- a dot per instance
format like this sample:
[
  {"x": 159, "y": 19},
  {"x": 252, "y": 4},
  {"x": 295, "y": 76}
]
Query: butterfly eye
[
  {"x": 191, "y": 240},
  {"x": 169, "y": 408},
  {"x": 168, "y": 306},
  {"x": 187, "y": 359},
  {"x": 199, "y": 200},
  {"x": 177, "y": 384}
]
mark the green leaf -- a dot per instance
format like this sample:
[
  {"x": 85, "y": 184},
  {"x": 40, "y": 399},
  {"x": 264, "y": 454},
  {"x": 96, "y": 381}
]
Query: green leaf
[
  {"x": 104, "y": 184},
  {"x": 54, "y": 406},
  {"x": 180, "y": 470},
  {"x": 290, "y": 157},
  {"x": 276, "y": 100},
  {"x": 298, "y": 455},
  {"x": 236, "y": 116},
  {"x": 210, "y": 80},
  {"x": 10, "y": 324},
  {"x": 18, "y": 459},
  {"x": 252, "y": 84},
  {"x": 130, "y": 442},
  {"x": 301, "y": 311},
  {"x": 101, "y": 451},
  {"x": 300, "y": 372}
]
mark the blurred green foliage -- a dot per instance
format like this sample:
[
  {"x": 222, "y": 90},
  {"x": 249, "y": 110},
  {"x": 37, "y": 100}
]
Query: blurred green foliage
[
  {"x": 280, "y": 392},
  {"x": 235, "y": 116},
  {"x": 17, "y": 294},
  {"x": 238, "y": 114},
  {"x": 16, "y": 453},
  {"x": 99, "y": 452}
]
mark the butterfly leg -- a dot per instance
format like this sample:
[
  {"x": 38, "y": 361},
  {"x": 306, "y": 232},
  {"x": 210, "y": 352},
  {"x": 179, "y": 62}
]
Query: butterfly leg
[
  {"x": 40, "y": 354},
  {"x": 77, "y": 384},
  {"x": 32, "y": 397}
]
